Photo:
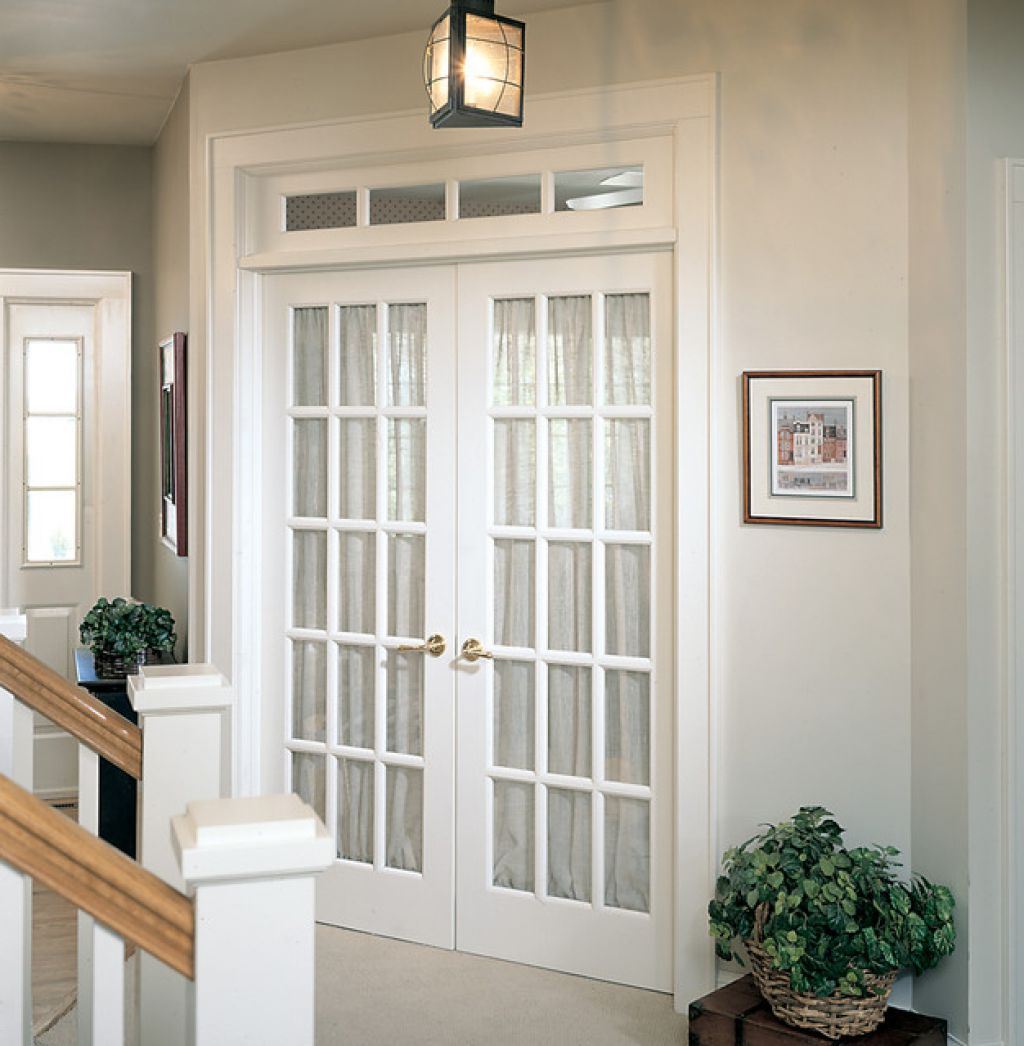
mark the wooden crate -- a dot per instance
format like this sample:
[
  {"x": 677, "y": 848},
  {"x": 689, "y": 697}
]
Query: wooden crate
[{"x": 736, "y": 1015}]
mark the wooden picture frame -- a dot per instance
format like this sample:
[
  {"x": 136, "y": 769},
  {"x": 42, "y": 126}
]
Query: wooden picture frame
[
  {"x": 812, "y": 448},
  {"x": 173, "y": 445}
]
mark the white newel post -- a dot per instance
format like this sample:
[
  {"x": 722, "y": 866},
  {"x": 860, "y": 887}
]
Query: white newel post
[
  {"x": 185, "y": 715},
  {"x": 251, "y": 864},
  {"x": 15, "y": 888}
]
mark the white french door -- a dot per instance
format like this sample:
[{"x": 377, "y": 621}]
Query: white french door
[{"x": 483, "y": 454}]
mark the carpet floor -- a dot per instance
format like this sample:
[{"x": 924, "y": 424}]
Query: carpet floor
[{"x": 371, "y": 990}]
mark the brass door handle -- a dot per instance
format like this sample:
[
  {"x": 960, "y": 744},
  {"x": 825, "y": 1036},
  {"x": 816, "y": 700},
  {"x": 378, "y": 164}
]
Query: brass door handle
[
  {"x": 433, "y": 645},
  {"x": 473, "y": 650}
]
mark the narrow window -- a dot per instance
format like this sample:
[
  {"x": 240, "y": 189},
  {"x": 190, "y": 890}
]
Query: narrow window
[{"x": 52, "y": 437}]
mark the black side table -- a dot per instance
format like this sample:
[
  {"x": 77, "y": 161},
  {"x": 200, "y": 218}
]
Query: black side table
[{"x": 118, "y": 790}]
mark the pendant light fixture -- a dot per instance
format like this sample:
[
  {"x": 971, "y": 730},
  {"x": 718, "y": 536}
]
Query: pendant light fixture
[{"x": 473, "y": 67}]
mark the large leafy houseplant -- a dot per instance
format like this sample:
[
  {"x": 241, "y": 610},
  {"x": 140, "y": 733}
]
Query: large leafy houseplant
[
  {"x": 125, "y": 632},
  {"x": 829, "y": 917}
]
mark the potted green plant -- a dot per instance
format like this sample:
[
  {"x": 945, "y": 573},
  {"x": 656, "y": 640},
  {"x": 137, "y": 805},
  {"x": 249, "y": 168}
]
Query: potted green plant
[
  {"x": 123, "y": 634},
  {"x": 826, "y": 930}
]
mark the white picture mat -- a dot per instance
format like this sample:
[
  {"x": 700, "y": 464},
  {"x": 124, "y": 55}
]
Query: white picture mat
[{"x": 761, "y": 391}]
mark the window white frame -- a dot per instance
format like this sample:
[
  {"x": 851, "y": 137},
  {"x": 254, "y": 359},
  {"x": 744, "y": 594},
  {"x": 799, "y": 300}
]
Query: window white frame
[
  {"x": 1014, "y": 791},
  {"x": 111, "y": 293},
  {"x": 26, "y": 487},
  {"x": 674, "y": 123}
]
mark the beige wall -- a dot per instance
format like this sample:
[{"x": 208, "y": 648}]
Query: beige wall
[
  {"x": 161, "y": 573},
  {"x": 90, "y": 207},
  {"x": 841, "y": 244}
]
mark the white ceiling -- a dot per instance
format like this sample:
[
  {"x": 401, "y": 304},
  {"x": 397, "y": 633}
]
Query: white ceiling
[{"x": 107, "y": 71}]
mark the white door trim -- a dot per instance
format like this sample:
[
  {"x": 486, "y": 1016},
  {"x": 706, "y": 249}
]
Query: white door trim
[
  {"x": 1014, "y": 791},
  {"x": 111, "y": 292},
  {"x": 224, "y": 573}
]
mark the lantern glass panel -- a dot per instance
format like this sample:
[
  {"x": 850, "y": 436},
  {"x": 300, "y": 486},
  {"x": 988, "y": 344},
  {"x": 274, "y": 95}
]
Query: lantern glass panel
[{"x": 436, "y": 62}]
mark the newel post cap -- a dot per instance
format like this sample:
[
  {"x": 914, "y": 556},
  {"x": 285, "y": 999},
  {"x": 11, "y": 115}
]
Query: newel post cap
[
  {"x": 179, "y": 688},
  {"x": 13, "y": 624},
  {"x": 259, "y": 837}
]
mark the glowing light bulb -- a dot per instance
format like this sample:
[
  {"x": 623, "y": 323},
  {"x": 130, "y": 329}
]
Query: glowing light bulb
[{"x": 481, "y": 76}]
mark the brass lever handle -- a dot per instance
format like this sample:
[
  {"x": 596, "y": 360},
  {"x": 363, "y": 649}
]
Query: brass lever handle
[
  {"x": 433, "y": 645},
  {"x": 473, "y": 650}
]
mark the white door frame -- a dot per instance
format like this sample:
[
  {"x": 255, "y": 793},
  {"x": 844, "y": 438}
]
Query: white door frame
[
  {"x": 111, "y": 294},
  {"x": 225, "y": 572},
  {"x": 1014, "y": 793}
]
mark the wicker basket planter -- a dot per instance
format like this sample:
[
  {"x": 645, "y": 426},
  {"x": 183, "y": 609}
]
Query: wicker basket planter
[
  {"x": 833, "y": 1016},
  {"x": 116, "y": 666}
]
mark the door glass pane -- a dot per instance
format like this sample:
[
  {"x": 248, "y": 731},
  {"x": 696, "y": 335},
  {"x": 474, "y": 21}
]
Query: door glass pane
[
  {"x": 569, "y": 473},
  {"x": 309, "y": 489},
  {"x": 513, "y": 593},
  {"x": 407, "y": 469},
  {"x": 357, "y": 362},
  {"x": 569, "y": 834},
  {"x": 513, "y": 836},
  {"x": 569, "y": 595},
  {"x": 355, "y": 810},
  {"x": 51, "y": 376},
  {"x": 627, "y": 371},
  {"x": 358, "y": 469},
  {"x": 357, "y": 580},
  {"x": 515, "y": 472},
  {"x": 309, "y": 579},
  {"x": 627, "y": 853},
  {"x": 513, "y": 714},
  {"x": 407, "y": 355},
  {"x": 406, "y": 584},
  {"x": 628, "y": 600},
  {"x": 309, "y": 357},
  {"x": 309, "y": 691},
  {"x": 309, "y": 780},
  {"x": 515, "y": 352},
  {"x": 405, "y": 703},
  {"x": 51, "y": 451},
  {"x": 569, "y": 729},
  {"x": 570, "y": 351},
  {"x": 627, "y": 474},
  {"x": 405, "y": 818},
  {"x": 627, "y": 727},
  {"x": 51, "y": 525},
  {"x": 355, "y": 696}
]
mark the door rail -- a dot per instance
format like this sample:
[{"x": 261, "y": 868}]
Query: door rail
[
  {"x": 44, "y": 844},
  {"x": 73, "y": 709}
]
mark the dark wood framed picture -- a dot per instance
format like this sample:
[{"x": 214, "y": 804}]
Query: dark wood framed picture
[
  {"x": 812, "y": 448},
  {"x": 173, "y": 462}
]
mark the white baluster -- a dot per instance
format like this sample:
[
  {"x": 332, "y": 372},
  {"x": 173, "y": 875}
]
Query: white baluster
[
  {"x": 252, "y": 865},
  {"x": 15, "y": 888},
  {"x": 184, "y": 712},
  {"x": 100, "y": 951}
]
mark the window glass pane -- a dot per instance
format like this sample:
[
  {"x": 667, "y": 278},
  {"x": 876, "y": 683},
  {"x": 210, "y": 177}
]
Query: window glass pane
[
  {"x": 322, "y": 210},
  {"x": 404, "y": 798},
  {"x": 406, "y": 584},
  {"x": 627, "y": 730},
  {"x": 513, "y": 714},
  {"x": 600, "y": 189},
  {"x": 407, "y": 469},
  {"x": 355, "y": 696},
  {"x": 627, "y": 574},
  {"x": 515, "y": 352},
  {"x": 405, "y": 703},
  {"x": 493, "y": 197},
  {"x": 407, "y": 355},
  {"x": 569, "y": 720},
  {"x": 309, "y": 579},
  {"x": 569, "y": 481},
  {"x": 309, "y": 489},
  {"x": 513, "y": 835},
  {"x": 309, "y": 357},
  {"x": 627, "y": 853},
  {"x": 409, "y": 203},
  {"x": 309, "y": 691},
  {"x": 358, "y": 467},
  {"x": 309, "y": 780},
  {"x": 51, "y": 451},
  {"x": 627, "y": 349},
  {"x": 357, "y": 331},
  {"x": 51, "y": 525},
  {"x": 51, "y": 376},
  {"x": 569, "y": 833},
  {"x": 570, "y": 348},
  {"x": 515, "y": 471},
  {"x": 627, "y": 471},
  {"x": 357, "y": 585},
  {"x": 355, "y": 810},
  {"x": 569, "y": 595},
  {"x": 513, "y": 593}
]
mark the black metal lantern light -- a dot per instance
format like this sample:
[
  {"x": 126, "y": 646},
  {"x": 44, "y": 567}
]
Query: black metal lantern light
[{"x": 473, "y": 67}]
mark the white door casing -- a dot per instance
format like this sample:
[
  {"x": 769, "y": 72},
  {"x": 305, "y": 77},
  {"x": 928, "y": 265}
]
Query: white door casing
[
  {"x": 225, "y": 452},
  {"x": 88, "y": 318}
]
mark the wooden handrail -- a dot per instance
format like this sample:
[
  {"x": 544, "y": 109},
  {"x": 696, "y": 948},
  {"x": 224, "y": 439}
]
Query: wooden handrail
[
  {"x": 86, "y": 718},
  {"x": 93, "y": 876}
]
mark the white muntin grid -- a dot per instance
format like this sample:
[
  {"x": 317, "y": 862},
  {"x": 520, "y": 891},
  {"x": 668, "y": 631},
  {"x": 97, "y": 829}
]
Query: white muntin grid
[
  {"x": 381, "y": 641},
  {"x": 597, "y": 659}
]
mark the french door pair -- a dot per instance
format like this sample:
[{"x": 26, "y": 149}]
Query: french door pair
[{"x": 467, "y": 666}]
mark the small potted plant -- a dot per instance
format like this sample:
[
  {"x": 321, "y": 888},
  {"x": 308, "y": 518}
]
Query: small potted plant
[
  {"x": 123, "y": 634},
  {"x": 826, "y": 930}
]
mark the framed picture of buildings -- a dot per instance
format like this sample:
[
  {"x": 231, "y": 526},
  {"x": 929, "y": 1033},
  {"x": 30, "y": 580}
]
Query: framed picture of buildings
[
  {"x": 173, "y": 473},
  {"x": 812, "y": 448}
]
